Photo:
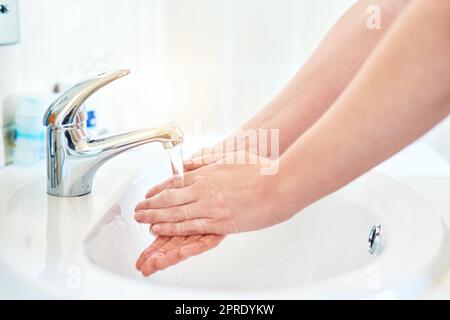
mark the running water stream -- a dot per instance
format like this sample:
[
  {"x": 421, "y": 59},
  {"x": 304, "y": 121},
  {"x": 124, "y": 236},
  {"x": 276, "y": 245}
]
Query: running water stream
[{"x": 176, "y": 161}]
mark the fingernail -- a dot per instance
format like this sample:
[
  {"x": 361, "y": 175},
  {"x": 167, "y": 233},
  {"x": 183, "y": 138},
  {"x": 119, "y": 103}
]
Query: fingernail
[{"x": 139, "y": 216}]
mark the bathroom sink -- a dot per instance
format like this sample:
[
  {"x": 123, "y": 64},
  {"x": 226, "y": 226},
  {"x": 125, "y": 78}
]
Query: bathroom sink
[
  {"x": 86, "y": 247},
  {"x": 322, "y": 252}
]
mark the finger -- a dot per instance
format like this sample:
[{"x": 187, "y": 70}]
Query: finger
[
  {"x": 195, "y": 246},
  {"x": 177, "y": 251},
  {"x": 158, "y": 243},
  {"x": 173, "y": 214},
  {"x": 201, "y": 245},
  {"x": 207, "y": 159},
  {"x": 203, "y": 152},
  {"x": 185, "y": 228},
  {"x": 215, "y": 149},
  {"x": 169, "y": 198},
  {"x": 156, "y": 261},
  {"x": 173, "y": 182},
  {"x": 189, "y": 165}
]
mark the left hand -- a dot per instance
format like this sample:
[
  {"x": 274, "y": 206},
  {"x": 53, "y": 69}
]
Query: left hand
[{"x": 168, "y": 251}]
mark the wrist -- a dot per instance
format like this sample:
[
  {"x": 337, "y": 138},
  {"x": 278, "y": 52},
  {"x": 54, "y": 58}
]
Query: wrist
[{"x": 292, "y": 184}]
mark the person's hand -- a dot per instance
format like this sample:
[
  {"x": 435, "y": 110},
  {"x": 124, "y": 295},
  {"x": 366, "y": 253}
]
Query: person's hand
[
  {"x": 238, "y": 141},
  {"x": 215, "y": 199},
  {"x": 168, "y": 251}
]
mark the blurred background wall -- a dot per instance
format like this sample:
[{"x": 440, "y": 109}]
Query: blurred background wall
[{"x": 205, "y": 64}]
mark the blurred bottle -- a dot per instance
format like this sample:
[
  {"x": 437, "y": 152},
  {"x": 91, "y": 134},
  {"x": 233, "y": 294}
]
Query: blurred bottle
[
  {"x": 8, "y": 130},
  {"x": 9, "y": 85},
  {"x": 30, "y": 133}
]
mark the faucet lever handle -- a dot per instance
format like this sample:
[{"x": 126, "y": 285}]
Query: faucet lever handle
[{"x": 63, "y": 112}]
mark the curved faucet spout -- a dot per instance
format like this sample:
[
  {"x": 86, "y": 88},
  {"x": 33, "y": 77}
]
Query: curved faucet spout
[
  {"x": 73, "y": 157},
  {"x": 169, "y": 136}
]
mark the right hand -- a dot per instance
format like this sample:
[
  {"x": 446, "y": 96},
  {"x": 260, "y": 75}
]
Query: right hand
[{"x": 216, "y": 199}]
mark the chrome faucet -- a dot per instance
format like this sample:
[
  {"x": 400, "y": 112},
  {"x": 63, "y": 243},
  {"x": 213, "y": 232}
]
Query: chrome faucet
[{"x": 73, "y": 157}]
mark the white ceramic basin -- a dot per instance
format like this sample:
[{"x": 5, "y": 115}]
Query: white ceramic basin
[
  {"x": 322, "y": 252},
  {"x": 87, "y": 247}
]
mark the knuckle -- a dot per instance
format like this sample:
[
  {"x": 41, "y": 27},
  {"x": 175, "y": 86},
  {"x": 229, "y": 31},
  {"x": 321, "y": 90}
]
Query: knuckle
[
  {"x": 216, "y": 227},
  {"x": 148, "y": 216},
  {"x": 165, "y": 197},
  {"x": 179, "y": 228},
  {"x": 200, "y": 185},
  {"x": 185, "y": 212},
  {"x": 190, "y": 227},
  {"x": 153, "y": 216},
  {"x": 170, "y": 182},
  {"x": 204, "y": 208},
  {"x": 173, "y": 182},
  {"x": 215, "y": 211},
  {"x": 177, "y": 182},
  {"x": 187, "y": 179},
  {"x": 201, "y": 226},
  {"x": 161, "y": 251}
]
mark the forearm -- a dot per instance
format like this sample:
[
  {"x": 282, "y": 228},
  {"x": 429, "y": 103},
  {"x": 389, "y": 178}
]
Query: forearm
[
  {"x": 326, "y": 74},
  {"x": 402, "y": 91}
]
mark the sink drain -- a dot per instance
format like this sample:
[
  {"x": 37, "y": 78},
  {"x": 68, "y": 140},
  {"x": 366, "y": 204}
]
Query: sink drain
[{"x": 374, "y": 244}]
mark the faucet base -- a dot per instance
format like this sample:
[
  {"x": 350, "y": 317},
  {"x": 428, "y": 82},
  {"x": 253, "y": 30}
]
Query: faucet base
[{"x": 68, "y": 193}]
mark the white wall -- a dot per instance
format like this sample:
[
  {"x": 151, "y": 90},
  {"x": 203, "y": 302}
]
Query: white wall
[{"x": 201, "y": 63}]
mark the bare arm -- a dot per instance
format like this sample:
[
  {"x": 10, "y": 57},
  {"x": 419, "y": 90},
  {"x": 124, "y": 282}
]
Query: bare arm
[
  {"x": 402, "y": 91},
  {"x": 327, "y": 73}
]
